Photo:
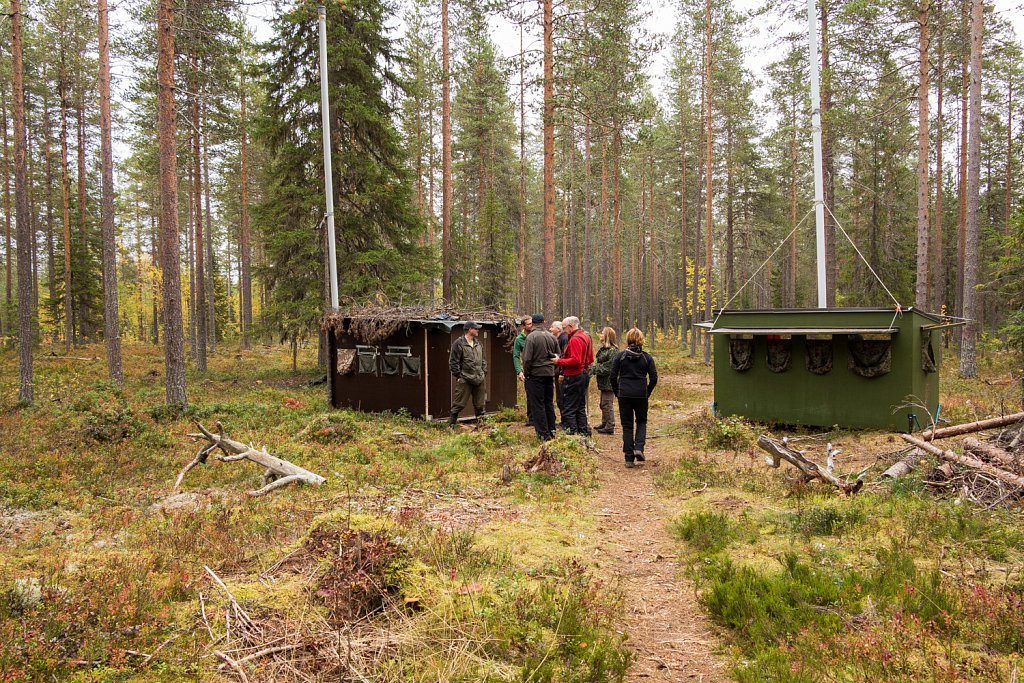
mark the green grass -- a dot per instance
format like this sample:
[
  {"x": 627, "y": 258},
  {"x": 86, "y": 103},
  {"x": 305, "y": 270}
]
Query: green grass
[{"x": 891, "y": 584}]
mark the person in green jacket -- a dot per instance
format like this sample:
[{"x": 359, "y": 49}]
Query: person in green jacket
[
  {"x": 525, "y": 327},
  {"x": 469, "y": 368},
  {"x": 602, "y": 368}
]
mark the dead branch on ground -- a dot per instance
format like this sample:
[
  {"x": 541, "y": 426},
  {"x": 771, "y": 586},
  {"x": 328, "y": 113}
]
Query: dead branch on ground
[
  {"x": 277, "y": 473},
  {"x": 808, "y": 469}
]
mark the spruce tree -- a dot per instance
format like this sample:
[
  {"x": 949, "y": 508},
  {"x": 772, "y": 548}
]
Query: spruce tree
[{"x": 376, "y": 221}]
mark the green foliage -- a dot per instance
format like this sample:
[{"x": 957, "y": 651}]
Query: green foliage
[
  {"x": 827, "y": 520},
  {"x": 706, "y": 532},
  {"x": 721, "y": 433},
  {"x": 375, "y": 220}
]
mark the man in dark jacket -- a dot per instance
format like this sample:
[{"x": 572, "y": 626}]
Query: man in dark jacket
[
  {"x": 633, "y": 377},
  {"x": 469, "y": 369},
  {"x": 575, "y": 363},
  {"x": 517, "y": 357},
  {"x": 539, "y": 370}
]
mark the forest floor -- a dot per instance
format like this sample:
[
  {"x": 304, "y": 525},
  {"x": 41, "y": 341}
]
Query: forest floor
[{"x": 415, "y": 562}]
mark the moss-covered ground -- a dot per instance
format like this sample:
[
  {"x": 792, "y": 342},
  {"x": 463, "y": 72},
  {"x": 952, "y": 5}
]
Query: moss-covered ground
[{"x": 415, "y": 563}]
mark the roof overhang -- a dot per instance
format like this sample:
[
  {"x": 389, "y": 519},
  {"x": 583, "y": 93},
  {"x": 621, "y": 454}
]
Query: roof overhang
[{"x": 762, "y": 331}]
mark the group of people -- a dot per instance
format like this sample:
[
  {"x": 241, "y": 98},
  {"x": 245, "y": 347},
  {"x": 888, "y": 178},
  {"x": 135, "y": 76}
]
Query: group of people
[{"x": 555, "y": 363}]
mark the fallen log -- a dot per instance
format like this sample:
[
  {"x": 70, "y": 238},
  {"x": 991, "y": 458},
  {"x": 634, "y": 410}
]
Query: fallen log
[
  {"x": 971, "y": 427},
  {"x": 901, "y": 467},
  {"x": 990, "y": 452},
  {"x": 278, "y": 472},
  {"x": 967, "y": 461},
  {"x": 809, "y": 470}
]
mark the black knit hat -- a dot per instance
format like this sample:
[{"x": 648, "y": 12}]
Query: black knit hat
[{"x": 538, "y": 318}]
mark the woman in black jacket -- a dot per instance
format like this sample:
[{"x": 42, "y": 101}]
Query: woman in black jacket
[{"x": 633, "y": 377}]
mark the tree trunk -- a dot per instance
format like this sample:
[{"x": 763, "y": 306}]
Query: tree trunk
[
  {"x": 548, "y": 269},
  {"x": 921, "y": 297},
  {"x": 8, "y": 264},
  {"x": 1008, "y": 190},
  {"x": 211, "y": 289},
  {"x": 446, "y": 161},
  {"x": 683, "y": 217},
  {"x": 939, "y": 293},
  {"x": 155, "y": 255},
  {"x": 961, "y": 234},
  {"x": 51, "y": 273},
  {"x": 174, "y": 342},
  {"x": 523, "y": 288},
  {"x": 245, "y": 251},
  {"x": 111, "y": 320},
  {"x": 197, "y": 210},
  {"x": 84, "y": 328},
  {"x": 695, "y": 291},
  {"x": 709, "y": 132},
  {"x": 26, "y": 309},
  {"x": 968, "y": 361},
  {"x": 616, "y": 244},
  {"x": 69, "y": 322}
]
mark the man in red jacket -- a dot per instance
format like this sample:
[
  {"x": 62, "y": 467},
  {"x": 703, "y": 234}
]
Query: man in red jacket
[{"x": 575, "y": 365}]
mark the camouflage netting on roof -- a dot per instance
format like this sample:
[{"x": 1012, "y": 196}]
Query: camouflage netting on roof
[{"x": 373, "y": 323}]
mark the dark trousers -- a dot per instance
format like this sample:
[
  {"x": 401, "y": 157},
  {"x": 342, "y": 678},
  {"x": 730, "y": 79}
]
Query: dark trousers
[
  {"x": 630, "y": 408},
  {"x": 540, "y": 395},
  {"x": 574, "y": 403},
  {"x": 464, "y": 391},
  {"x": 560, "y": 400}
]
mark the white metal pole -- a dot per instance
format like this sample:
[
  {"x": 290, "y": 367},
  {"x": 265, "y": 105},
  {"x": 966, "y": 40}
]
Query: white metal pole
[
  {"x": 819, "y": 185},
  {"x": 325, "y": 116}
]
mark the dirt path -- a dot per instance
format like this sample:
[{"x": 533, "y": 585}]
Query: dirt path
[{"x": 672, "y": 638}]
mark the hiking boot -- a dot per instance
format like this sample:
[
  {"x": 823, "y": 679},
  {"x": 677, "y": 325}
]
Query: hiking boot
[
  {"x": 638, "y": 456},
  {"x": 629, "y": 464},
  {"x": 603, "y": 430}
]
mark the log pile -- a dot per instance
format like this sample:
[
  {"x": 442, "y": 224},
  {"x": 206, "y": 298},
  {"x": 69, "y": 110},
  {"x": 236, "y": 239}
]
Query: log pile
[{"x": 989, "y": 470}]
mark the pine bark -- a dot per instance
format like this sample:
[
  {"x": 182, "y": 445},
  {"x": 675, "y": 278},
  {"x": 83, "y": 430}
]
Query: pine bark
[
  {"x": 446, "y": 160},
  {"x": 548, "y": 265},
  {"x": 709, "y": 144},
  {"x": 51, "y": 273},
  {"x": 961, "y": 234},
  {"x": 939, "y": 292},
  {"x": 245, "y": 250},
  {"x": 683, "y": 218},
  {"x": 197, "y": 211},
  {"x": 84, "y": 328},
  {"x": 26, "y": 308},
  {"x": 8, "y": 265},
  {"x": 69, "y": 321},
  {"x": 111, "y": 320},
  {"x": 524, "y": 243},
  {"x": 923, "y": 194},
  {"x": 211, "y": 310},
  {"x": 174, "y": 342},
  {"x": 1008, "y": 189},
  {"x": 968, "y": 360}
]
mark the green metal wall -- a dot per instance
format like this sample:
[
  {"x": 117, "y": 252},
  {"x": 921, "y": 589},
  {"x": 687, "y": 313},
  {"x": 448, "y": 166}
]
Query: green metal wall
[{"x": 840, "y": 397}]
